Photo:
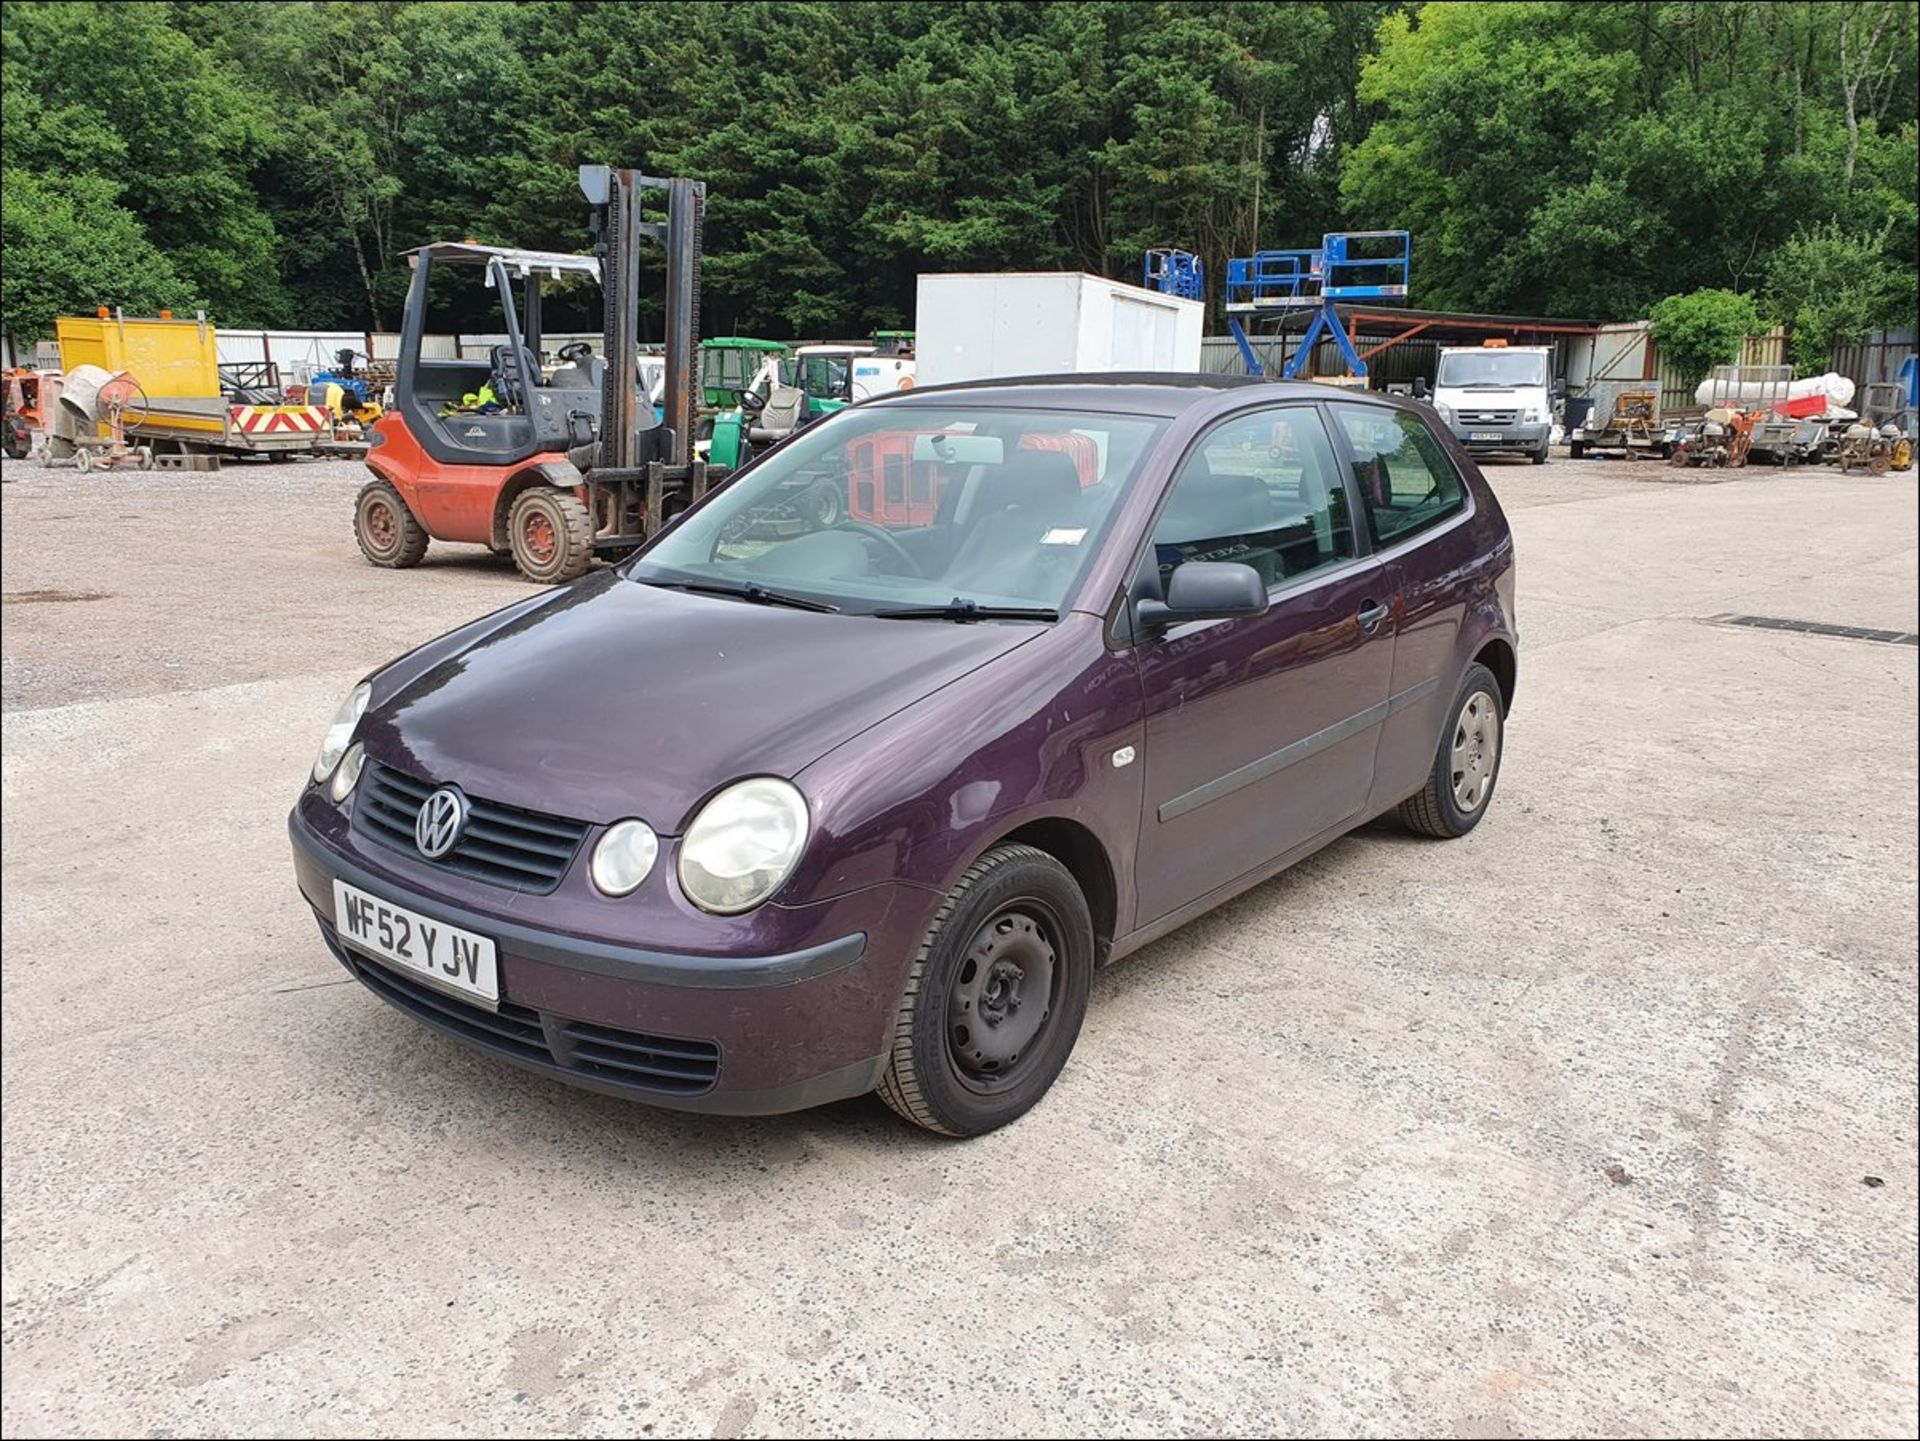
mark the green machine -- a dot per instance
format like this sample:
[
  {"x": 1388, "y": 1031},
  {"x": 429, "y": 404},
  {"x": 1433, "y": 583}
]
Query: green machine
[{"x": 728, "y": 364}]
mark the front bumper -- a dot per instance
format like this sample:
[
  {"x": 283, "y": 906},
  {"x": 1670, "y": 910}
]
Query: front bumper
[
  {"x": 737, "y": 1035},
  {"x": 1519, "y": 436}
]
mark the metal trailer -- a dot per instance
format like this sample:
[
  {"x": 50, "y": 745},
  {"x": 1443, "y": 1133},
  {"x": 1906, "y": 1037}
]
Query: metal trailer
[
  {"x": 1778, "y": 436},
  {"x": 1625, "y": 421}
]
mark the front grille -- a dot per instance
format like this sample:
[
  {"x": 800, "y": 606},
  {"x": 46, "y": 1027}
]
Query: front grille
[
  {"x": 630, "y": 1059},
  {"x": 501, "y": 845},
  {"x": 1487, "y": 417}
]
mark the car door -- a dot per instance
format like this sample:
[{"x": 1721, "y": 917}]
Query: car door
[
  {"x": 1415, "y": 508},
  {"x": 1259, "y": 731}
]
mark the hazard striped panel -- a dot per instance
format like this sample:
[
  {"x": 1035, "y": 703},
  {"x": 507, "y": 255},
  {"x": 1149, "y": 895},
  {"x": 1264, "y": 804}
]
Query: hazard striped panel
[{"x": 278, "y": 419}]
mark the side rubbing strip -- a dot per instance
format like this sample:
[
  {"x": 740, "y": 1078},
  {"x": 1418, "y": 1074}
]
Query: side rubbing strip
[{"x": 1277, "y": 761}]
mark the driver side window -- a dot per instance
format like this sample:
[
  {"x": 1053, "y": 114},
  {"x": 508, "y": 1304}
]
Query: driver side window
[{"x": 1262, "y": 489}]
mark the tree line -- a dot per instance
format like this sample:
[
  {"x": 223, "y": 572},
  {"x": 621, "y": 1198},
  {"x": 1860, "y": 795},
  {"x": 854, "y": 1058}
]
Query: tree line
[{"x": 272, "y": 162}]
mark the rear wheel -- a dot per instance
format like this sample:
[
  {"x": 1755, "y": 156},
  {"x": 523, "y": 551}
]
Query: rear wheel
[
  {"x": 1467, "y": 763},
  {"x": 994, "y": 1002},
  {"x": 551, "y": 534},
  {"x": 389, "y": 535},
  {"x": 1576, "y": 449}
]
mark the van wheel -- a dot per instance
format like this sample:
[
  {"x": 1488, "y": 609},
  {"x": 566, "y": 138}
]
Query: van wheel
[
  {"x": 389, "y": 536},
  {"x": 1539, "y": 457},
  {"x": 1575, "y": 450},
  {"x": 551, "y": 534},
  {"x": 1467, "y": 763},
  {"x": 994, "y": 1002}
]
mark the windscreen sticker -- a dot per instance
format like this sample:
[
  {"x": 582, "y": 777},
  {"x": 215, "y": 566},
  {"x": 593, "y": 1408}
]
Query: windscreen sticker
[{"x": 1061, "y": 536}]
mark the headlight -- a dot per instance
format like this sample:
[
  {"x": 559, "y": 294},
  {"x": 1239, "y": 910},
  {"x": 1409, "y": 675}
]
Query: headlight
[
  {"x": 1445, "y": 412},
  {"x": 623, "y": 857},
  {"x": 340, "y": 732},
  {"x": 347, "y": 773},
  {"x": 1534, "y": 417},
  {"x": 742, "y": 845}
]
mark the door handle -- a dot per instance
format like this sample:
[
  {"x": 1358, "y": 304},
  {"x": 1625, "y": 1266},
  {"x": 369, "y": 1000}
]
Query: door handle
[{"x": 1371, "y": 614}]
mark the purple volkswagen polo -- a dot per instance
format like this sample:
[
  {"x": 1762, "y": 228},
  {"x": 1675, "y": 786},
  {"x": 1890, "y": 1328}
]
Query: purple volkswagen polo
[{"x": 851, "y": 777}]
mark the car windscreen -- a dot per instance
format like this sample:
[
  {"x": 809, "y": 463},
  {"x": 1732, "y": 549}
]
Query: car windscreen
[
  {"x": 1491, "y": 367},
  {"x": 905, "y": 507}
]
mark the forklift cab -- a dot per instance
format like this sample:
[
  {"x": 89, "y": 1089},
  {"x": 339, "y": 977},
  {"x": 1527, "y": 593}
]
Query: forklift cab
[{"x": 504, "y": 408}]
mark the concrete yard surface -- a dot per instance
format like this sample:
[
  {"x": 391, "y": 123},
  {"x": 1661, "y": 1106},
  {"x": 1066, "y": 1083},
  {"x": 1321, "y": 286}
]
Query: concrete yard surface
[{"x": 1599, "y": 1121}]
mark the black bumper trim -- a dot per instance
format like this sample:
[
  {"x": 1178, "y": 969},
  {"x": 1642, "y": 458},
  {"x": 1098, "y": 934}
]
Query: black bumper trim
[{"x": 627, "y": 963}]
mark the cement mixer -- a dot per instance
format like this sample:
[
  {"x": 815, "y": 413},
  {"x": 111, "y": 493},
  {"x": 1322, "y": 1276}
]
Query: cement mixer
[{"x": 90, "y": 420}]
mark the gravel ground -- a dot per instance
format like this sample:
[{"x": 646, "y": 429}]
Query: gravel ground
[{"x": 1599, "y": 1122}]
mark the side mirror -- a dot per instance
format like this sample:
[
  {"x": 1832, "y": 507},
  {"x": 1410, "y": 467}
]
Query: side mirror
[
  {"x": 1205, "y": 590},
  {"x": 1420, "y": 390},
  {"x": 1558, "y": 390}
]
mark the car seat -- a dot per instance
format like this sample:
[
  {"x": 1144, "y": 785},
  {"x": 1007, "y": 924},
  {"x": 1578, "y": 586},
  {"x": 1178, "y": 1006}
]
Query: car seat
[{"x": 1015, "y": 506}]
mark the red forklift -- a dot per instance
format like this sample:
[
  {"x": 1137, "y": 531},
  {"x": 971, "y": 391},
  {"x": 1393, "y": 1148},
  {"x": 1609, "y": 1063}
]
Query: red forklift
[{"x": 550, "y": 467}]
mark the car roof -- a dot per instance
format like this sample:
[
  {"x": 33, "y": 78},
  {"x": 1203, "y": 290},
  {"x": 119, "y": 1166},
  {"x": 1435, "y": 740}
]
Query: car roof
[{"x": 1165, "y": 393}]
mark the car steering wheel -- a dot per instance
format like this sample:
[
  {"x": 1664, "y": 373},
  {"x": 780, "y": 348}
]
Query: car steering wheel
[
  {"x": 575, "y": 351},
  {"x": 868, "y": 528}
]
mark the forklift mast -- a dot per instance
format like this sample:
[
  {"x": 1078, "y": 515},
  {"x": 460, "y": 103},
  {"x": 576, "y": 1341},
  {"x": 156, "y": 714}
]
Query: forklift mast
[{"x": 618, "y": 227}]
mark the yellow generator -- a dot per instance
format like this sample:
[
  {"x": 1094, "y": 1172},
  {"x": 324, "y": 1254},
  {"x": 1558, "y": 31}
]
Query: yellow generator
[{"x": 179, "y": 407}]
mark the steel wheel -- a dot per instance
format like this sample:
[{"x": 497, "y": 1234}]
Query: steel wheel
[
  {"x": 1476, "y": 751},
  {"x": 387, "y": 533},
  {"x": 1002, "y": 997},
  {"x": 382, "y": 527},
  {"x": 995, "y": 997},
  {"x": 537, "y": 537}
]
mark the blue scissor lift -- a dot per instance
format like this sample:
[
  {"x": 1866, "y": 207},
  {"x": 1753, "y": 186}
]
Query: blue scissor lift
[
  {"x": 1176, "y": 272},
  {"x": 1274, "y": 284}
]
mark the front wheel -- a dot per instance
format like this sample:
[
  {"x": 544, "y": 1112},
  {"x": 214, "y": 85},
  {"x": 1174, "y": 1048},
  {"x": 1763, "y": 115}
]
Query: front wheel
[
  {"x": 385, "y": 528},
  {"x": 1467, "y": 763},
  {"x": 551, "y": 534},
  {"x": 1539, "y": 457},
  {"x": 994, "y": 1002},
  {"x": 1576, "y": 450}
]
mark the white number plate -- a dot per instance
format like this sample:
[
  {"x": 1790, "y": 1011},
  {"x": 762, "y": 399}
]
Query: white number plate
[
  {"x": 1485, "y": 435},
  {"x": 456, "y": 960}
]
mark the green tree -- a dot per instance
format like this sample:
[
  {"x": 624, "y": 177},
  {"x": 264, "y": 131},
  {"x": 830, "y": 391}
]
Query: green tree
[
  {"x": 70, "y": 246},
  {"x": 1833, "y": 286},
  {"x": 1703, "y": 329}
]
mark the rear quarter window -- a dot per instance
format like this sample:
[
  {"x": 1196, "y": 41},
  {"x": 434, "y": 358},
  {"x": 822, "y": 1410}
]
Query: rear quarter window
[{"x": 1406, "y": 480}]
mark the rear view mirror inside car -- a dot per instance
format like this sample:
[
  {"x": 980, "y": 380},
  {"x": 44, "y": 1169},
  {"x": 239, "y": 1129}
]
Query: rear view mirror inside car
[{"x": 947, "y": 449}]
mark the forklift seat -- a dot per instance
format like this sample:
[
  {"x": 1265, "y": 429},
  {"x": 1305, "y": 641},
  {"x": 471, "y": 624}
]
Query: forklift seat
[
  {"x": 780, "y": 416},
  {"x": 513, "y": 376}
]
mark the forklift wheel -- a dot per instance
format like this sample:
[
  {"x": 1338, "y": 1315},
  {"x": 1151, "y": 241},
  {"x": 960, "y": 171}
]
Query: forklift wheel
[
  {"x": 389, "y": 536},
  {"x": 552, "y": 535}
]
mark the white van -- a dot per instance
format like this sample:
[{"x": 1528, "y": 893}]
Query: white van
[{"x": 1498, "y": 397}]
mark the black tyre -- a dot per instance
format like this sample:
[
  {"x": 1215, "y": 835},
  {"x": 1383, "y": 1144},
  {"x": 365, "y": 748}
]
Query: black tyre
[
  {"x": 1539, "y": 457},
  {"x": 1575, "y": 450},
  {"x": 994, "y": 1002},
  {"x": 389, "y": 535},
  {"x": 1467, "y": 763},
  {"x": 551, "y": 534}
]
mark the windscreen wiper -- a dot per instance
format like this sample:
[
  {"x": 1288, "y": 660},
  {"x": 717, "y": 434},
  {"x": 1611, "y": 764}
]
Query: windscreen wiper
[
  {"x": 960, "y": 609},
  {"x": 758, "y": 594}
]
